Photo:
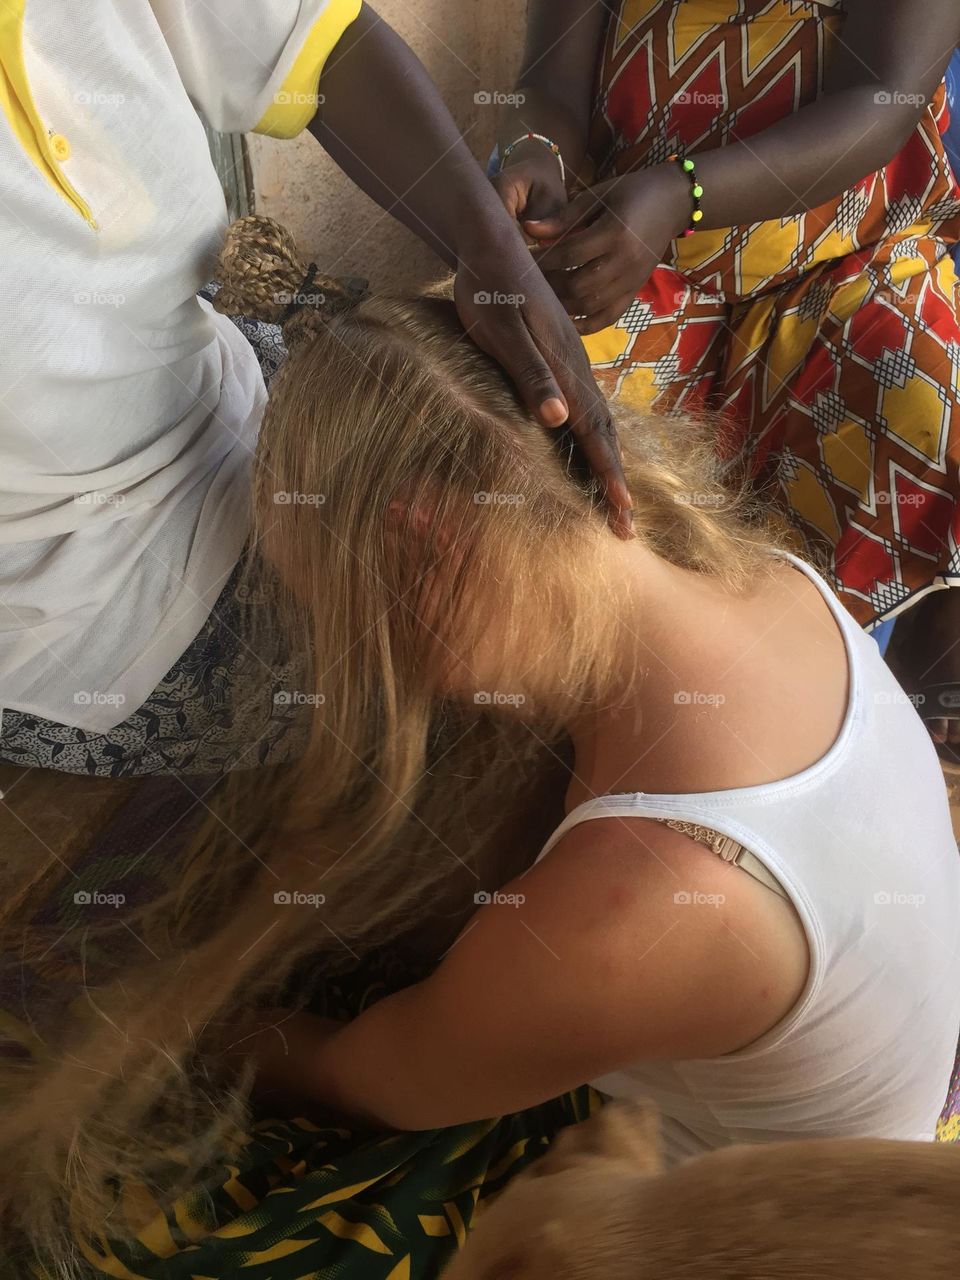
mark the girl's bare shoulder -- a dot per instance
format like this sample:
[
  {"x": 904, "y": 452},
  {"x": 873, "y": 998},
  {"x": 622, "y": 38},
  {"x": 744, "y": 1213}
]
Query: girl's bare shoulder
[{"x": 715, "y": 954}]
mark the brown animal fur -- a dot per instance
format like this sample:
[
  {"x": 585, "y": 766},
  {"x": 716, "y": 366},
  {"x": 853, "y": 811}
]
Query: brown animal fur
[{"x": 600, "y": 1206}]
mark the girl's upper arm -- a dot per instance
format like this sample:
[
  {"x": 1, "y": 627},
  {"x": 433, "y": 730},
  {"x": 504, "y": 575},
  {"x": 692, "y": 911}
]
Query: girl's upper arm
[{"x": 625, "y": 944}]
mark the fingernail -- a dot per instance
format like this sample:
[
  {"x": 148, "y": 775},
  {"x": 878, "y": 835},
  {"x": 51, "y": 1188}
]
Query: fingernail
[
  {"x": 554, "y": 412},
  {"x": 624, "y": 508}
]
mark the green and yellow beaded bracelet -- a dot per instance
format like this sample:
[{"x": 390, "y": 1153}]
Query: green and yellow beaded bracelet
[{"x": 696, "y": 191}]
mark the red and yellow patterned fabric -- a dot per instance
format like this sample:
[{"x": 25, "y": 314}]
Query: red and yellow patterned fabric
[{"x": 830, "y": 340}]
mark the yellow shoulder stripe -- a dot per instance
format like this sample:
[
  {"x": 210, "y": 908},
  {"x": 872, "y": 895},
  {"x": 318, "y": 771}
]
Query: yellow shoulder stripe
[{"x": 295, "y": 102}]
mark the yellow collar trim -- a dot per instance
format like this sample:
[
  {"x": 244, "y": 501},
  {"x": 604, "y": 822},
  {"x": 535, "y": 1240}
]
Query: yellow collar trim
[{"x": 17, "y": 104}]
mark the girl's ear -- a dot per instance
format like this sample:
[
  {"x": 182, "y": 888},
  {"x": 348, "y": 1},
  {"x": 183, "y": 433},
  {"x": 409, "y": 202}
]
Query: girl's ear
[
  {"x": 422, "y": 521},
  {"x": 401, "y": 514}
]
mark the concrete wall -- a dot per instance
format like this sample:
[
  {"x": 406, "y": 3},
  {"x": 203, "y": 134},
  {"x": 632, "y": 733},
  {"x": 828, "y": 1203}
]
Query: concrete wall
[{"x": 468, "y": 46}]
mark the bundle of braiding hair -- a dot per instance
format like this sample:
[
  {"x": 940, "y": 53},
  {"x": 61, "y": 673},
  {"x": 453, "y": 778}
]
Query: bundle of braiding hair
[{"x": 262, "y": 276}]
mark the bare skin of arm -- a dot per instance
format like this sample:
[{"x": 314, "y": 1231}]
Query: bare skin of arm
[
  {"x": 598, "y": 967},
  {"x": 884, "y": 67},
  {"x": 400, "y": 145},
  {"x": 554, "y": 88}
]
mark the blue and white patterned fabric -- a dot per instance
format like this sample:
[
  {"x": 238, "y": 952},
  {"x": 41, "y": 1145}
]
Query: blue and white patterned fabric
[{"x": 951, "y": 139}]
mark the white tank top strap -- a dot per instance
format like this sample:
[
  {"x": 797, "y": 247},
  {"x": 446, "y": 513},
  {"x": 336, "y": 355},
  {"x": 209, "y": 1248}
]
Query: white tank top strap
[
  {"x": 631, "y": 805},
  {"x": 688, "y": 815}
]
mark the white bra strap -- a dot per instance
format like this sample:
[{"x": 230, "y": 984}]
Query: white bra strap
[
  {"x": 724, "y": 847},
  {"x": 729, "y": 850}
]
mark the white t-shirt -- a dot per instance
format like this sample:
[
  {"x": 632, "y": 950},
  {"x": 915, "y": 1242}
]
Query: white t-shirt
[
  {"x": 863, "y": 845},
  {"x": 128, "y": 408}
]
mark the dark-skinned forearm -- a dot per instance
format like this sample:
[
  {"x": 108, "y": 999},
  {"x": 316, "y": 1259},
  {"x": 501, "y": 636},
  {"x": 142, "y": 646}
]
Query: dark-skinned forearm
[
  {"x": 799, "y": 163},
  {"x": 383, "y": 122},
  {"x": 881, "y": 74},
  {"x": 558, "y": 75}
]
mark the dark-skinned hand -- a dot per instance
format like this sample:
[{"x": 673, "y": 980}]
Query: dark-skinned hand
[
  {"x": 509, "y": 310},
  {"x": 605, "y": 244}
]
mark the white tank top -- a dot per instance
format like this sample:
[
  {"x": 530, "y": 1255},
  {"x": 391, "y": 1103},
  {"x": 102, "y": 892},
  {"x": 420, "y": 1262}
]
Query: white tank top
[{"x": 863, "y": 846}]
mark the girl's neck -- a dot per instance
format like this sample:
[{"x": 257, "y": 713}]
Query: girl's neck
[{"x": 671, "y": 626}]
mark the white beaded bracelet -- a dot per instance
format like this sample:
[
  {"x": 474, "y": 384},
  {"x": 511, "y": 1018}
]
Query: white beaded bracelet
[{"x": 535, "y": 137}]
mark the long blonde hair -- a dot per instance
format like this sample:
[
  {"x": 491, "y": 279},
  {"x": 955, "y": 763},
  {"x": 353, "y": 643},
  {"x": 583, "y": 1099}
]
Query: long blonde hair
[{"x": 404, "y": 506}]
